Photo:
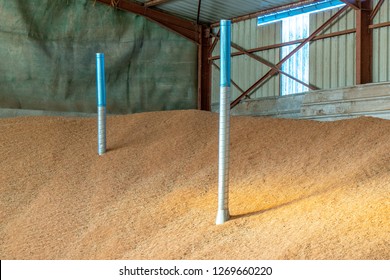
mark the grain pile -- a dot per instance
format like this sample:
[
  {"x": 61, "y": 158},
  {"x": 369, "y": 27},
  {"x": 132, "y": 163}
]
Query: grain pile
[{"x": 299, "y": 189}]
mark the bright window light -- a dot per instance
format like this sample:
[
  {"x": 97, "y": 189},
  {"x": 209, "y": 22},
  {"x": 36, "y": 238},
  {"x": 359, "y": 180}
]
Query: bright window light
[
  {"x": 310, "y": 8},
  {"x": 295, "y": 28}
]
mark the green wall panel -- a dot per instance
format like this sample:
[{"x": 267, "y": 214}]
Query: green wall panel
[{"x": 47, "y": 59}]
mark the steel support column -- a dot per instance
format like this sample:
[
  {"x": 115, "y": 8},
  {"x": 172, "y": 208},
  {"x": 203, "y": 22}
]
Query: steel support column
[{"x": 363, "y": 44}]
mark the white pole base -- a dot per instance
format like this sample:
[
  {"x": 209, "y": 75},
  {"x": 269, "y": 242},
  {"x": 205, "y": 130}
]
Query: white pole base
[
  {"x": 222, "y": 216},
  {"x": 101, "y": 130}
]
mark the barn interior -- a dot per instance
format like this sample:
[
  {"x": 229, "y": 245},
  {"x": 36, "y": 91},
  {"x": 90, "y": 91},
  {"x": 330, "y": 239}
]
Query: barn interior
[{"x": 309, "y": 150}]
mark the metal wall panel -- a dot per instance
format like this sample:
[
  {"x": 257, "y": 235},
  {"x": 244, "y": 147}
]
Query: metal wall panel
[
  {"x": 381, "y": 41},
  {"x": 332, "y": 60},
  {"x": 246, "y": 70}
]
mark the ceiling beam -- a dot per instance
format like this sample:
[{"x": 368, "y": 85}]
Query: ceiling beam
[
  {"x": 152, "y": 3},
  {"x": 183, "y": 27},
  {"x": 352, "y": 3}
]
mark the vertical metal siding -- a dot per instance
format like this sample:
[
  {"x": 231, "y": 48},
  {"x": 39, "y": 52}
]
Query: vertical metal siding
[
  {"x": 332, "y": 60},
  {"x": 245, "y": 70},
  {"x": 381, "y": 41}
]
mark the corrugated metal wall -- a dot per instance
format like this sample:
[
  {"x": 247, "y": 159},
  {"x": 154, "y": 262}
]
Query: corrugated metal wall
[
  {"x": 245, "y": 70},
  {"x": 381, "y": 41},
  {"x": 332, "y": 60}
]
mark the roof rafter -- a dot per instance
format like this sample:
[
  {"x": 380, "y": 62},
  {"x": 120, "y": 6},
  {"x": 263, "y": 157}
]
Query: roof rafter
[
  {"x": 183, "y": 27},
  {"x": 352, "y": 3}
]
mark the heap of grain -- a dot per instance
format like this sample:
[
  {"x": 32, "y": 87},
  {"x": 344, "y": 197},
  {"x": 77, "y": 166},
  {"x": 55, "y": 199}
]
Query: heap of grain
[{"x": 299, "y": 189}]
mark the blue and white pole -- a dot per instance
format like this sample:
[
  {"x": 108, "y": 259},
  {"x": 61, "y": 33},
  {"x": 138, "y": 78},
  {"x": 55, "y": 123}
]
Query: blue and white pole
[
  {"x": 101, "y": 102},
  {"x": 224, "y": 125}
]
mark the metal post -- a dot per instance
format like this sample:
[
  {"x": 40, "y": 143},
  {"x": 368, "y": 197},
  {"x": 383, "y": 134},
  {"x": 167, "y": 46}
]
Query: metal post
[
  {"x": 101, "y": 103},
  {"x": 224, "y": 125}
]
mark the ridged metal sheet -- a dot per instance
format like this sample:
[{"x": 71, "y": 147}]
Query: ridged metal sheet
[
  {"x": 332, "y": 60},
  {"x": 381, "y": 41},
  {"x": 245, "y": 70},
  {"x": 215, "y": 10}
]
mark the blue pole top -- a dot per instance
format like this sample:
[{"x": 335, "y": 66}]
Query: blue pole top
[
  {"x": 225, "y": 52},
  {"x": 100, "y": 80},
  {"x": 225, "y": 22}
]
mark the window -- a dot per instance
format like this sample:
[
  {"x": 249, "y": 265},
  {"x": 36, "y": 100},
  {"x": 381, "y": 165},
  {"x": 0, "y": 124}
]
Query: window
[
  {"x": 295, "y": 28},
  {"x": 309, "y": 8}
]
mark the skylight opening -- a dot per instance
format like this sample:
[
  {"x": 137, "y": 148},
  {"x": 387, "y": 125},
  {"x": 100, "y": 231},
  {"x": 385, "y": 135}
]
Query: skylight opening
[{"x": 306, "y": 9}]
